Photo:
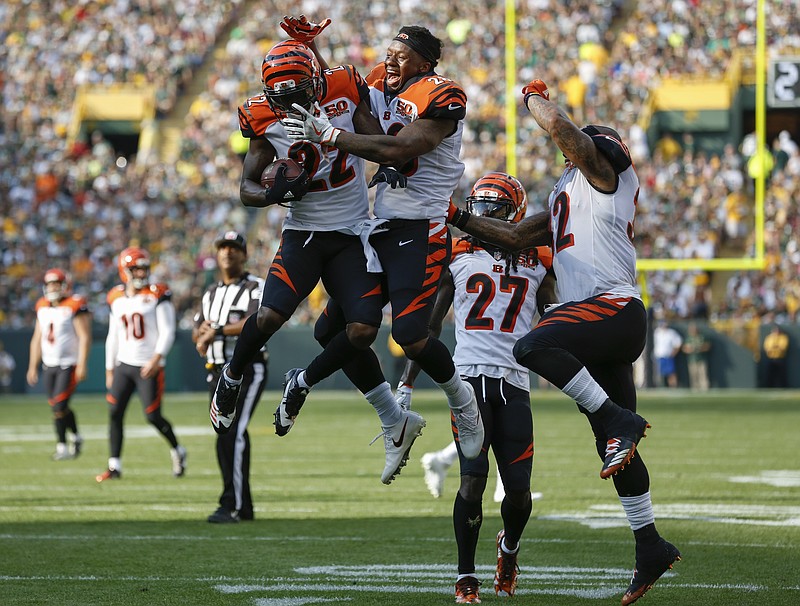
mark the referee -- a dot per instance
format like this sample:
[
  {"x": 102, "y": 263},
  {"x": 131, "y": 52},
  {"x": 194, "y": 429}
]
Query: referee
[{"x": 224, "y": 309}]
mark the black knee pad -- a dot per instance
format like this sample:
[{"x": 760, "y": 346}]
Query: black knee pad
[{"x": 472, "y": 488}]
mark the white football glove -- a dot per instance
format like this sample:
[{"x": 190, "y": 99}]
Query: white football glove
[
  {"x": 403, "y": 396},
  {"x": 317, "y": 129}
]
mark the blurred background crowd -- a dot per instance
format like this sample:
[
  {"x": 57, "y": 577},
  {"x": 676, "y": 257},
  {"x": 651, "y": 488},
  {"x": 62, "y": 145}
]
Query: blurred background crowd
[{"x": 76, "y": 204}]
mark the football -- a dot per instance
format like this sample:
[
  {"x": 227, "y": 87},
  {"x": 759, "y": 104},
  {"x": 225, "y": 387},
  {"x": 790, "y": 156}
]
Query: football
[{"x": 293, "y": 169}]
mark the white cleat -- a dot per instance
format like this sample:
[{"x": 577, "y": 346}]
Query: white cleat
[{"x": 398, "y": 441}]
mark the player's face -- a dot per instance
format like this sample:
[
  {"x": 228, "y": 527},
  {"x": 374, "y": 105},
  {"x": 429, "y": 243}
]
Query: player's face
[
  {"x": 402, "y": 63},
  {"x": 52, "y": 290}
]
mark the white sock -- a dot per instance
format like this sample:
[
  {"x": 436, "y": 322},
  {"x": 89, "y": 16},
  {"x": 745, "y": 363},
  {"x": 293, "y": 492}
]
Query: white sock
[
  {"x": 382, "y": 400},
  {"x": 115, "y": 463},
  {"x": 301, "y": 380},
  {"x": 469, "y": 574},
  {"x": 231, "y": 381},
  {"x": 506, "y": 549},
  {"x": 448, "y": 454},
  {"x": 585, "y": 391},
  {"x": 458, "y": 394},
  {"x": 639, "y": 510},
  {"x": 61, "y": 447}
]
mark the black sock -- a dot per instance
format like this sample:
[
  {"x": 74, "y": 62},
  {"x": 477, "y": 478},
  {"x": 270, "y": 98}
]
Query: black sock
[
  {"x": 72, "y": 424},
  {"x": 646, "y": 535},
  {"x": 514, "y": 520},
  {"x": 338, "y": 352},
  {"x": 61, "y": 429},
  {"x": 250, "y": 341},
  {"x": 364, "y": 371},
  {"x": 467, "y": 520},
  {"x": 436, "y": 361}
]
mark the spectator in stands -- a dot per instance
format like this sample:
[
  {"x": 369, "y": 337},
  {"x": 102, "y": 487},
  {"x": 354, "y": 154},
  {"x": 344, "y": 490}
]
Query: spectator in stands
[
  {"x": 7, "y": 366},
  {"x": 696, "y": 347},
  {"x": 775, "y": 350},
  {"x": 666, "y": 346}
]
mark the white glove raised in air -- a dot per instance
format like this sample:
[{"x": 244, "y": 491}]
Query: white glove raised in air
[{"x": 317, "y": 129}]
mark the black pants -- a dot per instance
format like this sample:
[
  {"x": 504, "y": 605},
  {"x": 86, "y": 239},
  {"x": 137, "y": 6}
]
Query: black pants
[{"x": 233, "y": 448}]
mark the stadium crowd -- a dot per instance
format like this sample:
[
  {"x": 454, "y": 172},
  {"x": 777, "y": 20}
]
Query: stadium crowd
[{"x": 78, "y": 207}]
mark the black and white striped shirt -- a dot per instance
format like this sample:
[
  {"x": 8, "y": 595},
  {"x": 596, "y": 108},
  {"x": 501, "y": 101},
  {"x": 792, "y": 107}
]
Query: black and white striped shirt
[{"x": 227, "y": 304}]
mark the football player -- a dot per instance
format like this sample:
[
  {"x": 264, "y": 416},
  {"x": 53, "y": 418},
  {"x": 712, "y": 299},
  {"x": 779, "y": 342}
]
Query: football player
[
  {"x": 421, "y": 114},
  {"x": 495, "y": 296},
  {"x": 587, "y": 345},
  {"x": 320, "y": 236},
  {"x": 141, "y": 331},
  {"x": 62, "y": 337}
]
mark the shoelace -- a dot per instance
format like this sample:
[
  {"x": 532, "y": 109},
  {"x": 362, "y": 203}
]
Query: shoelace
[{"x": 469, "y": 417}]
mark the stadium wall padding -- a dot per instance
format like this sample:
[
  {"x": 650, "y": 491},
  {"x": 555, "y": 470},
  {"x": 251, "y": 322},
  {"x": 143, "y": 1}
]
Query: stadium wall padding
[{"x": 730, "y": 364}]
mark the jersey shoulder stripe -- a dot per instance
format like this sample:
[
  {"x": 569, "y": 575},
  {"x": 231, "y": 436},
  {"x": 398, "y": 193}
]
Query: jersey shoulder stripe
[
  {"x": 42, "y": 303},
  {"x": 545, "y": 256},
  {"x": 375, "y": 77},
  {"x": 255, "y": 115},
  {"x": 115, "y": 293},
  {"x": 77, "y": 303},
  {"x": 344, "y": 81},
  {"x": 161, "y": 291},
  {"x": 437, "y": 97}
]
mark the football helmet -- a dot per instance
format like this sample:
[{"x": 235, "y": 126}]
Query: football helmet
[
  {"x": 132, "y": 258},
  {"x": 290, "y": 74},
  {"x": 60, "y": 277},
  {"x": 498, "y": 195}
]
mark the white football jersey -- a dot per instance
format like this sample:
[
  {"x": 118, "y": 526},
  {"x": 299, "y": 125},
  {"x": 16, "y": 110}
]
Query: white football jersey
[
  {"x": 592, "y": 236},
  {"x": 493, "y": 311},
  {"x": 432, "y": 177},
  {"x": 59, "y": 339},
  {"x": 140, "y": 325},
  {"x": 337, "y": 197}
]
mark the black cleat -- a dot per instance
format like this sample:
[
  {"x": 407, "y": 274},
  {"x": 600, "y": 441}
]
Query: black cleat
[
  {"x": 627, "y": 431},
  {"x": 292, "y": 401},
  {"x": 651, "y": 562},
  {"x": 222, "y": 410},
  {"x": 224, "y": 516}
]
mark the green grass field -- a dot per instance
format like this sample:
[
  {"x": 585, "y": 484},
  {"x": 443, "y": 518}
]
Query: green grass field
[{"x": 725, "y": 479}]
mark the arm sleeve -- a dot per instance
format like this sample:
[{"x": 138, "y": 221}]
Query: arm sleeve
[{"x": 165, "y": 320}]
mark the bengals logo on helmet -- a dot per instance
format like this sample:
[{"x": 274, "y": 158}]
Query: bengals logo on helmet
[
  {"x": 132, "y": 258},
  {"x": 290, "y": 75},
  {"x": 498, "y": 195}
]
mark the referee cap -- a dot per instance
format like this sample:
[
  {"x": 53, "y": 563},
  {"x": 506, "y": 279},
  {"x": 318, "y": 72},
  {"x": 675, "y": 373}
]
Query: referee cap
[{"x": 232, "y": 238}]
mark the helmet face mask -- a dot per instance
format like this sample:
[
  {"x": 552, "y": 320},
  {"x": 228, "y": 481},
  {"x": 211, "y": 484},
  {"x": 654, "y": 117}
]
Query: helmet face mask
[
  {"x": 290, "y": 75},
  {"x": 59, "y": 277},
  {"x": 498, "y": 195},
  {"x": 131, "y": 259}
]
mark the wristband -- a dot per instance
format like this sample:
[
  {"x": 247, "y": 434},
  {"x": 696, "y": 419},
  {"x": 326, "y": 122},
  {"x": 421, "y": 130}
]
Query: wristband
[
  {"x": 220, "y": 331},
  {"x": 460, "y": 218},
  {"x": 529, "y": 95}
]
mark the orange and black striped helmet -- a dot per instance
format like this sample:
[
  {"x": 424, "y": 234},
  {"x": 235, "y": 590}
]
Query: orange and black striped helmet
[
  {"x": 498, "y": 195},
  {"x": 290, "y": 75}
]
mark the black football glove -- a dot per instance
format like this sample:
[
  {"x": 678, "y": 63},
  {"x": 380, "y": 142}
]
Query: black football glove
[
  {"x": 387, "y": 174},
  {"x": 287, "y": 190}
]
